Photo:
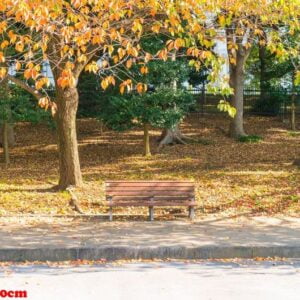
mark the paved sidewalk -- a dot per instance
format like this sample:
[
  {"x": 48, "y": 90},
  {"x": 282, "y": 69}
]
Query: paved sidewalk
[{"x": 95, "y": 239}]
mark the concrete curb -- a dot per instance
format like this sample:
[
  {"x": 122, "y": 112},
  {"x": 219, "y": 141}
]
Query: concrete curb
[{"x": 111, "y": 253}]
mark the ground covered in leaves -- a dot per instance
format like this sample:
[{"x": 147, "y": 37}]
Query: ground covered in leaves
[{"x": 232, "y": 178}]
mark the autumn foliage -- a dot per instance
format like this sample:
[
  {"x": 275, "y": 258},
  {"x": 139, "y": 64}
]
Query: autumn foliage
[
  {"x": 100, "y": 35},
  {"x": 95, "y": 36}
]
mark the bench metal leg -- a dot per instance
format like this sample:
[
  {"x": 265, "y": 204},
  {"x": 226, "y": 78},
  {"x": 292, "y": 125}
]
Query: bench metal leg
[
  {"x": 110, "y": 213},
  {"x": 151, "y": 213},
  {"x": 191, "y": 212}
]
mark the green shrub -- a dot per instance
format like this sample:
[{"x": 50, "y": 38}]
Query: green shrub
[
  {"x": 271, "y": 104},
  {"x": 23, "y": 107},
  {"x": 294, "y": 133},
  {"x": 162, "y": 108},
  {"x": 250, "y": 139}
]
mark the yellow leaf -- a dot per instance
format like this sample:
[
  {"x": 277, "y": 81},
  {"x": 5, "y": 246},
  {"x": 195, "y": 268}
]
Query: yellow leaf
[
  {"x": 222, "y": 21},
  {"x": 92, "y": 67},
  {"x": 156, "y": 28},
  {"x": 129, "y": 63},
  {"x": 18, "y": 66},
  {"x": 163, "y": 54},
  {"x": 2, "y": 57},
  {"x": 81, "y": 58},
  {"x": 144, "y": 70},
  {"x": 141, "y": 88},
  {"x": 121, "y": 53},
  {"x": 3, "y": 72},
  {"x": 232, "y": 60},
  {"x": 4, "y": 44},
  {"x": 104, "y": 84},
  {"x": 20, "y": 46}
]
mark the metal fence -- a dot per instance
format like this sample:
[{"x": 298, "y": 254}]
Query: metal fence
[{"x": 275, "y": 102}]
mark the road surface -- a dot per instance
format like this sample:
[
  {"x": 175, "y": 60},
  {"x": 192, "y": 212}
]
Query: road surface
[{"x": 157, "y": 280}]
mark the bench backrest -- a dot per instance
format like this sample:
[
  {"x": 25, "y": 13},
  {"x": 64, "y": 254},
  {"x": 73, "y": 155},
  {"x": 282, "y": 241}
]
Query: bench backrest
[{"x": 156, "y": 190}]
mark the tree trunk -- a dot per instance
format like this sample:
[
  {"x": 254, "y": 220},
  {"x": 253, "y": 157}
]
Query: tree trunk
[
  {"x": 6, "y": 143},
  {"x": 263, "y": 77},
  {"x": 293, "y": 104},
  {"x": 101, "y": 127},
  {"x": 237, "y": 100},
  {"x": 10, "y": 135},
  {"x": 171, "y": 137},
  {"x": 147, "y": 151},
  {"x": 69, "y": 165},
  {"x": 293, "y": 114},
  {"x": 7, "y": 136}
]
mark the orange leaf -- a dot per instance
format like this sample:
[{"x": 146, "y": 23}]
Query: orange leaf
[{"x": 3, "y": 72}]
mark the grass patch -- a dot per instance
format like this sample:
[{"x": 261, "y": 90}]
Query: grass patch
[
  {"x": 204, "y": 142},
  {"x": 250, "y": 139},
  {"x": 294, "y": 133}
]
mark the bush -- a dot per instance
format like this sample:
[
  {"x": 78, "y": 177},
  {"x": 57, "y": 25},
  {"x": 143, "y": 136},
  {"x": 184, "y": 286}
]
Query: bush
[
  {"x": 271, "y": 104},
  {"x": 24, "y": 108},
  {"x": 250, "y": 139},
  {"x": 162, "y": 108}
]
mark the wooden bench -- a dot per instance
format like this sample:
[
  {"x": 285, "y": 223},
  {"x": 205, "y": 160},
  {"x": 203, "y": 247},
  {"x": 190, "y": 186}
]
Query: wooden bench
[{"x": 150, "y": 193}]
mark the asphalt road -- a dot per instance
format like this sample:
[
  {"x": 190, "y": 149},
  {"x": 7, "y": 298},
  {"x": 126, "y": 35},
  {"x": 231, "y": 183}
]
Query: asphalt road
[{"x": 162, "y": 280}]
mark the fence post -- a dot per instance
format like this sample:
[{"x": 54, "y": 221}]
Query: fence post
[{"x": 203, "y": 96}]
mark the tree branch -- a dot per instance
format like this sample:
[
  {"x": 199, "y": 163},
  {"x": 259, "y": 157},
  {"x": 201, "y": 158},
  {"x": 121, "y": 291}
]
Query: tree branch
[{"x": 25, "y": 86}]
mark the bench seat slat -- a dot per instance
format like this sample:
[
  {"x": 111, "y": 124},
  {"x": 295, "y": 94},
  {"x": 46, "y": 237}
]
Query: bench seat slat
[
  {"x": 149, "y": 203},
  {"x": 146, "y": 188},
  {"x": 147, "y": 198},
  {"x": 149, "y": 184},
  {"x": 150, "y": 193}
]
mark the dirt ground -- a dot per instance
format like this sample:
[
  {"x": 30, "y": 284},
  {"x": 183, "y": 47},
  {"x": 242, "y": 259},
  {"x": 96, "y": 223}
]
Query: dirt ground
[{"x": 232, "y": 178}]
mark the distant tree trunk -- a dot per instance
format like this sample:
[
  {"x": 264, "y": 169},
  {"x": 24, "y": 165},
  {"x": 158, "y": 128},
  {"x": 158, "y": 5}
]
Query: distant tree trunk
[
  {"x": 101, "y": 123},
  {"x": 263, "y": 80},
  {"x": 293, "y": 104},
  {"x": 147, "y": 151},
  {"x": 203, "y": 97},
  {"x": 69, "y": 165},
  {"x": 6, "y": 143},
  {"x": 10, "y": 134}
]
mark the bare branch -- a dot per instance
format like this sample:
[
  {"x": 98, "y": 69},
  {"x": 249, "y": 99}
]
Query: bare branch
[{"x": 25, "y": 86}]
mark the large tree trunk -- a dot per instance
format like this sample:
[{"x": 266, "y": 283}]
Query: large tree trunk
[
  {"x": 69, "y": 165},
  {"x": 237, "y": 77},
  {"x": 147, "y": 151}
]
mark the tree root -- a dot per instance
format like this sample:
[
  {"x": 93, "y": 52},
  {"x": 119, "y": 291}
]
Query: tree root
[
  {"x": 225, "y": 132},
  {"x": 296, "y": 162},
  {"x": 74, "y": 200},
  {"x": 172, "y": 137}
]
